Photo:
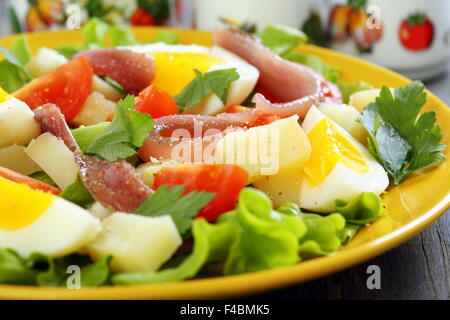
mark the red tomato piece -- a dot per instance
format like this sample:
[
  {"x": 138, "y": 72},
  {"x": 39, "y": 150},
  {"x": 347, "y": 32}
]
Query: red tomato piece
[
  {"x": 31, "y": 182},
  {"x": 156, "y": 102},
  {"x": 226, "y": 181},
  {"x": 142, "y": 17},
  {"x": 67, "y": 87}
]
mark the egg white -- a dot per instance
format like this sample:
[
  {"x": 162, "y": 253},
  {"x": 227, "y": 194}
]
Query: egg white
[
  {"x": 62, "y": 229},
  {"x": 343, "y": 182},
  {"x": 239, "y": 90}
]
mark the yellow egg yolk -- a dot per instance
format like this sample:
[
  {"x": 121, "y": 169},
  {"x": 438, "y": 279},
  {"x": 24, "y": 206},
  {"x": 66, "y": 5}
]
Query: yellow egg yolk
[
  {"x": 175, "y": 70},
  {"x": 330, "y": 146},
  {"x": 4, "y": 96},
  {"x": 20, "y": 205}
]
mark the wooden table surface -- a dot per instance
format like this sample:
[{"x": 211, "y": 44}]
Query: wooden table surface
[{"x": 417, "y": 269}]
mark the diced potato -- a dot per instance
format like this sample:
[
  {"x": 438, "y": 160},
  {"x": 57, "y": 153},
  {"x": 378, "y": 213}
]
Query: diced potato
[
  {"x": 146, "y": 171},
  {"x": 110, "y": 93},
  {"x": 362, "y": 99},
  {"x": 283, "y": 187},
  {"x": 137, "y": 243},
  {"x": 346, "y": 116},
  {"x": 17, "y": 123},
  {"x": 53, "y": 156},
  {"x": 45, "y": 61},
  {"x": 15, "y": 158},
  {"x": 100, "y": 211},
  {"x": 96, "y": 109},
  {"x": 264, "y": 150}
]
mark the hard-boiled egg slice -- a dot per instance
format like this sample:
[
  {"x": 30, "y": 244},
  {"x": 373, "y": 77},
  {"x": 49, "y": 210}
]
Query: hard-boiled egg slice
[
  {"x": 339, "y": 166},
  {"x": 34, "y": 221},
  {"x": 175, "y": 66},
  {"x": 17, "y": 123}
]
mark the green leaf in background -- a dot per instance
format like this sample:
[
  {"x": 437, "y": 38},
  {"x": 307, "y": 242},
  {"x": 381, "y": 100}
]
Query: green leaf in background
[
  {"x": 77, "y": 193},
  {"x": 94, "y": 34},
  {"x": 124, "y": 134},
  {"x": 68, "y": 51},
  {"x": 171, "y": 201},
  {"x": 85, "y": 135},
  {"x": 347, "y": 89},
  {"x": 315, "y": 63},
  {"x": 20, "y": 50},
  {"x": 187, "y": 269},
  {"x": 13, "y": 74},
  {"x": 322, "y": 235},
  {"x": 42, "y": 176},
  {"x": 281, "y": 39},
  {"x": 121, "y": 36},
  {"x": 313, "y": 28},
  {"x": 14, "y": 21},
  {"x": 217, "y": 81},
  {"x": 166, "y": 37}
]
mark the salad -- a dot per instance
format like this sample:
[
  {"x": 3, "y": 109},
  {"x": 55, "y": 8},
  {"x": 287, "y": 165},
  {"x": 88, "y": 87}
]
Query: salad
[{"x": 148, "y": 162}]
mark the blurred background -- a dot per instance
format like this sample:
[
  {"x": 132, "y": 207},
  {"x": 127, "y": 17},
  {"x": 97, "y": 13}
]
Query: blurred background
[{"x": 409, "y": 36}]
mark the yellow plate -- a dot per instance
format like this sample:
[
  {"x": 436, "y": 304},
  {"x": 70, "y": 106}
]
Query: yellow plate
[{"x": 411, "y": 207}]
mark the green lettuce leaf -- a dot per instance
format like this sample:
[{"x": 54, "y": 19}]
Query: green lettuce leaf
[
  {"x": 42, "y": 176},
  {"x": 14, "y": 269},
  {"x": 39, "y": 269},
  {"x": 13, "y": 74},
  {"x": 20, "y": 49},
  {"x": 121, "y": 36},
  {"x": 85, "y": 135},
  {"x": 347, "y": 89},
  {"x": 330, "y": 73},
  {"x": 265, "y": 238},
  {"x": 281, "y": 39},
  {"x": 322, "y": 235},
  {"x": 349, "y": 231},
  {"x": 77, "y": 193},
  {"x": 166, "y": 37},
  {"x": 362, "y": 209}
]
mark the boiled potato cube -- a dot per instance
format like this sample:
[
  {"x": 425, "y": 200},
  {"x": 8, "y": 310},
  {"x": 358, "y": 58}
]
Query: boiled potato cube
[
  {"x": 103, "y": 87},
  {"x": 264, "y": 150},
  {"x": 137, "y": 243},
  {"x": 362, "y": 99},
  {"x": 96, "y": 109},
  {"x": 16, "y": 159},
  {"x": 17, "y": 123},
  {"x": 53, "y": 156},
  {"x": 283, "y": 187},
  {"x": 45, "y": 61},
  {"x": 346, "y": 116}
]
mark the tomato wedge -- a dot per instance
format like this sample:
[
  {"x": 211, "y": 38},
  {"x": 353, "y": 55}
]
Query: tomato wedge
[
  {"x": 31, "y": 182},
  {"x": 226, "y": 181},
  {"x": 156, "y": 102},
  {"x": 67, "y": 87}
]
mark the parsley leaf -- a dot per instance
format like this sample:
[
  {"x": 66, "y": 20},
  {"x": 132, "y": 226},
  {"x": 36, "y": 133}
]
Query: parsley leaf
[
  {"x": 217, "y": 82},
  {"x": 399, "y": 138},
  {"x": 124, "y": 135},
  {"x": 171, "y": 201}
]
